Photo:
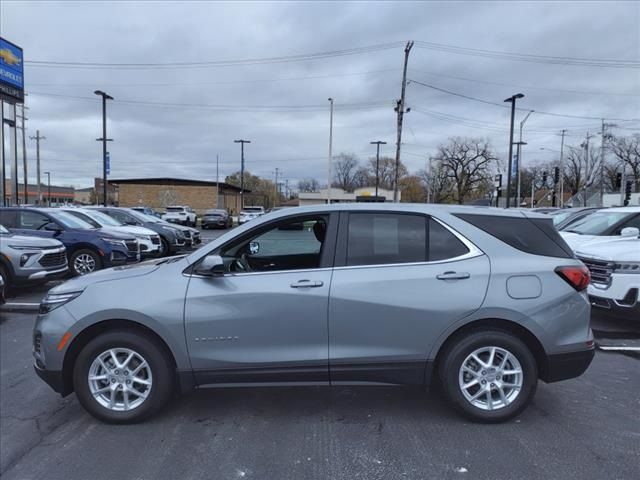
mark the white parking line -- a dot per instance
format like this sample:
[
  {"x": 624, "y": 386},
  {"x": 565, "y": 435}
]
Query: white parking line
[{"x": 620, "y": 349}]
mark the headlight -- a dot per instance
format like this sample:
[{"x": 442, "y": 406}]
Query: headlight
[
  {"x": 55, "y": 300},
  {"x": 115, "y": 242},
  {"x": 143, "y": 237},
  {"x": 627, "y": 267},
  {"x": 24, "y": 247}
]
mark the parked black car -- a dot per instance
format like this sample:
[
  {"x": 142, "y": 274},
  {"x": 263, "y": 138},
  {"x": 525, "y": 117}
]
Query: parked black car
[{"x": 216, "y": 218}]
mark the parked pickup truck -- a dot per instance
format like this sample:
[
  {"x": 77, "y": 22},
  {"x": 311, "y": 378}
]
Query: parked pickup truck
[
  {"x": 182, "y": 215},
  {"x": 26, "y": 260},
  {"x": 615, "y": 276}
]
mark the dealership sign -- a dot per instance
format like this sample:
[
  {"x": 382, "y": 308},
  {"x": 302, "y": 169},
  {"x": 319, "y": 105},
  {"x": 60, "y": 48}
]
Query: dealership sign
[{"x": 11, "y": 72}]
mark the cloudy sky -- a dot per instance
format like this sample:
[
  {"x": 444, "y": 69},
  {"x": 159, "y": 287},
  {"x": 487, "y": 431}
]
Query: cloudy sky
[{"x": 172, "y": 120}]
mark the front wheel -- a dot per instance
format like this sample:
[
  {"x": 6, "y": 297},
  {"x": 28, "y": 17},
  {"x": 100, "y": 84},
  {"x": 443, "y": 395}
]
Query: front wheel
[
  {"x": 85, "y": 261},
  {"x": 122, "y": 377},
  {"x": 490, "y": 376}
]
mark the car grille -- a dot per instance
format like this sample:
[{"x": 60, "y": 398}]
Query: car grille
[
  {"x": 155, "y": 240},
  {"x": 57, "y": 259},
  {"x": 600, "y": 270},
  {"x": 132, "y": 246}
]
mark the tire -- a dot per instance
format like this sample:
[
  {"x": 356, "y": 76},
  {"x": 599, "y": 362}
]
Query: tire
[
  {"x": 481, "y": 342},
  {"x": 81, "y": 262},
  {"x": 6, "y": 279},
  {"x": 165, "y": 250},
  {"x": 148, "y": 399}
]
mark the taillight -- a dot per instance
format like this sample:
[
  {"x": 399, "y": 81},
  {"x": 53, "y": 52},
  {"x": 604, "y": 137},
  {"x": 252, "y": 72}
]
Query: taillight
[{"x": 576, "y": 276}]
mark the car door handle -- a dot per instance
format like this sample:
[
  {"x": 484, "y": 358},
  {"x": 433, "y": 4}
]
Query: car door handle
[
  {"x": 453, "y": 276},
  {"x": 306, "y": 284}
]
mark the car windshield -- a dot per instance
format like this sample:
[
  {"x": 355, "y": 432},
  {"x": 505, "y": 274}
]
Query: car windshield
[
  {"x": 143, "y": 217},
  {"x": 597, "y": 223},
  {"x": 175, "y": 209},
  {"x": 3, "y": 230},
  {"x": 102, "y": 218},
  {"x": 560, "y": 216},
  {"x": 70, "y": 221},
  {"x": 252, "y": 210}
]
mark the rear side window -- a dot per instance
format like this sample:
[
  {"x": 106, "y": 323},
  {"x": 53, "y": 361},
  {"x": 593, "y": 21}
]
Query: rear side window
[
  {"x": 381, "y": 238},
  {"x": 443, "y": 244},
  {"x": 531, "y": 235}
]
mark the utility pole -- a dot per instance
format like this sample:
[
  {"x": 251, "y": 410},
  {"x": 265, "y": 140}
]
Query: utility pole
[
  {"x": 604, "y": 138},
  {"x": 329, "y": 160},
  {"x": 512, "y": 99},
  {"x": 104, "y": 140},
  {"x": 24, "y": 156},
  {"x": 519, "y": 155},
  {"x": 48, "y": 174},
  {"x": 241, "y": 142},
  {"x": 586, "y": 162},
  {"x": 37, "y": 138},
  {"x": 400, "y": 110},
  {"x": 377, "y": 144},
  {"x": 3, "y": 197},
  {"x": 275, "y": 199},
  {"x": 217, "y": 180},
  {"x": 562, "y": 168}
]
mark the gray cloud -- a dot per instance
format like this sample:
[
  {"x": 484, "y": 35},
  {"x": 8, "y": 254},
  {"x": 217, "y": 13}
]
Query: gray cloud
[{"x": 183, "y": 141}]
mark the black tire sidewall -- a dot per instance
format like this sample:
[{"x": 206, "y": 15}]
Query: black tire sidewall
[
  {"x": 161, "y": 370},
  {"x": 458, "y": 352},
  {"x": 165, "y": 248},
  {"x": 95, "y": 256}
]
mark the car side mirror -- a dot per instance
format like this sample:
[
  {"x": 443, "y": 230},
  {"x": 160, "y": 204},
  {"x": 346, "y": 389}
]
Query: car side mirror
[
  {"x": 53, "y": 227},
  {"x": 630, "y": 232},
  {"x": 211, "y": 266}
]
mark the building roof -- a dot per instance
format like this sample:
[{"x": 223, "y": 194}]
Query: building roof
[{"x": 175, "y": 182}]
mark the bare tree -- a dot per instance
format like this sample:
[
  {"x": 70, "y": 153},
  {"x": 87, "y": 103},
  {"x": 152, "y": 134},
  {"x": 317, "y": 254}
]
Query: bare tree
[
  {"x": 611, "y": 171},
  {"x": 362, "y": 178},
  {"x": 438, "y": 186},
  {"x": 413, "y": 189},
  {"x": 467, "y": 163},
  {"x": 386, "y": 172},
  {"x": 627, "y": 150},
  {"x": 345, "y": 167},
  {"x": 308, "y": 185},
  {"x": 580, "y": 171}
]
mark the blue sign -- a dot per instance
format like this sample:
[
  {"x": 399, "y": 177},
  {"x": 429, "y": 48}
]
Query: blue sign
[
  {"x": 11, "y": 71},
  {"x": 514, "y": 165},
  {"x": 108, "y": 162}
]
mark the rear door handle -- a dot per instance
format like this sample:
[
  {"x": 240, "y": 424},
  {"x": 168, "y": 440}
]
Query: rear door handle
[
  {"x": 453, "y": 276},
  {"x": 306, "y": 284}
]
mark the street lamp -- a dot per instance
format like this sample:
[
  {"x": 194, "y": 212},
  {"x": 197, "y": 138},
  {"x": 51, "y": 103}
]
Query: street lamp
[
  {"x": 512, "y": 99},
  {"x": 377, "y": 144},
  {"x": 104, "y": 140},
  {"x": 519, "y": 154},
  {"x": 242, "y": 142},
  {"x": 48, "y": 174},
  {"x": 330, "y": 150}
]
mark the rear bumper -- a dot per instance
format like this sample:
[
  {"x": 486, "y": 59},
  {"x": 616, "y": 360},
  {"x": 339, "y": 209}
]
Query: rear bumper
[{"x": 567, "y": 365}]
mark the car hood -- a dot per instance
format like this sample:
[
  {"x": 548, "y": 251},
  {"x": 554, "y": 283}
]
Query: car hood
[
  {"x": 621, "y": 249},
  {"x": 126, "y": 271},
  {"x": 574, "y": 240},
  {"x": 136, "y": 230},
  {"x": 115, "y": 232},
  {"x": 27, "y": 241}
]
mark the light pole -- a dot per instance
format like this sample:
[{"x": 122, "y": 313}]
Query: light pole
[
  {"x": 104, "y": 140},
  {"x": 330, "y": 150},
  {"x": 377, "y": 144},
  {"x": 48, "y": 174},
  {"x": 512, "y": 99},
  {"x": 519, "y": 154},
  {"x": 241, "y": 142}
]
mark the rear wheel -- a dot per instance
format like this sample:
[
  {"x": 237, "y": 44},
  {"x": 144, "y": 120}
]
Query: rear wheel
[
  {"x": 6, "y": 280},
  {"x": 122, "y": 377},
  {"x": 85, "y": 261},
  {"x": 490, "y": 376},
  {"x": 164, "y": 247}
]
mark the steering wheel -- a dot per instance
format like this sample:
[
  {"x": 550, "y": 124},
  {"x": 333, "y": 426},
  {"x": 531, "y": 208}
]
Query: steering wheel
[{"x": 241, "y": 264}]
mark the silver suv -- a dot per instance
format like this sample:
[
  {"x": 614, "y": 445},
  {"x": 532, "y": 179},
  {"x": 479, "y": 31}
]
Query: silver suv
[
  {"x": 27, "y": 260},
  {"x": 484, "y": 301}
]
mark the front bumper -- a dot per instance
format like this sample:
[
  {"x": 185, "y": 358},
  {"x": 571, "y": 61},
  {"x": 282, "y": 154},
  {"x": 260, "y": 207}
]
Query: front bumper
[
  {"x": 58, "y": 272},
  {"x": 54, "y": 379},
  {"x": 564, "y": 366},
  {"x": 119, "y": 257},
  {"x": 626, "y": 308}
]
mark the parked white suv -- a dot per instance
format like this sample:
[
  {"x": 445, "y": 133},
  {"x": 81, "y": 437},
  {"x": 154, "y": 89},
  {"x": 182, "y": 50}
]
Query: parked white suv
[
  {"x": 183, "y": 215},
  {"x": 615, "y": 275},
  {"x": 249, "y": 213}
]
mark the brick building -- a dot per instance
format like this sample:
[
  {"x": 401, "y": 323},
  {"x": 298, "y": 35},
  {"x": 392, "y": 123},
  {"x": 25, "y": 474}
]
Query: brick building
[
  {"x": 159, "y": 193},
  {"x": 59, "y": 195}
]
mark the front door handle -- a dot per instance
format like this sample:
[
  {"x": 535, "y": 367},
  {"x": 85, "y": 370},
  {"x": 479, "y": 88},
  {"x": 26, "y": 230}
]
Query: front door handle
[
  {"x": 453, "y": 276},
  {"x": 306, "y": 284}
]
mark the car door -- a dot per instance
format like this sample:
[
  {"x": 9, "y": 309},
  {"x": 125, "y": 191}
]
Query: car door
[
  {"x": 265, "y": 320},
  {"x": 399, "y": 281},
  {"x": 29, "y": 222}
]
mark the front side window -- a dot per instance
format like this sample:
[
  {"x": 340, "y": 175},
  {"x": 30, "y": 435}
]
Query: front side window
[
  {"x": 32, "y": 220},
  {"x": 294, "y": 244}
]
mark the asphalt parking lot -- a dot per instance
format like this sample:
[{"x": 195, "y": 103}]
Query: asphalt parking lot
[{"x": 586, "y": 428}]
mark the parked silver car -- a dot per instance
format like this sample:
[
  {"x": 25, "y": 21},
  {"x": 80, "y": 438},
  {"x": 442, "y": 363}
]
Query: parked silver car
[
  {"x": 485, "y": 301},
  {"x": 26, "y": 260}
]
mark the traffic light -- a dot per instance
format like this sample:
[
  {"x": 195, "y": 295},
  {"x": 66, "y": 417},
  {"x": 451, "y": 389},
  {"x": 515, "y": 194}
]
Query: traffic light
[
  {"x": 627, "y": 193},
  {"x": 544, "y": 177},
  {"x": 618, "y": 180},
  {"x": 556, "y": 174}
]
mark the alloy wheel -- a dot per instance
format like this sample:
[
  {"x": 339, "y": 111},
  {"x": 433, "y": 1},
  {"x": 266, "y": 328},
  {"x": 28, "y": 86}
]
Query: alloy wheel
[
  {"x": 491, "y": 378},
  {"x": 120, "y": 379},
  {"x": 84, "y": 263}
]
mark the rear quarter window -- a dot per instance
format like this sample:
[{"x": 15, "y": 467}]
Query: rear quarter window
[{"x": 537, "y": 236}]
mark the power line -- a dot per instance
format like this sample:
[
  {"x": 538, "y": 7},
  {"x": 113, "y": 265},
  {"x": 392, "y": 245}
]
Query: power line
[
  {"x": 449, "y": 92},
  {"x": 527, "y": 57},
  {"x": 215, "y": 63}
]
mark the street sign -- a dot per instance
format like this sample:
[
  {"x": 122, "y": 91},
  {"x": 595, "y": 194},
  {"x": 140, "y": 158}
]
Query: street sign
[
  {"x": 108, "y": 162},
  {"x": 11, "y": 72}
]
